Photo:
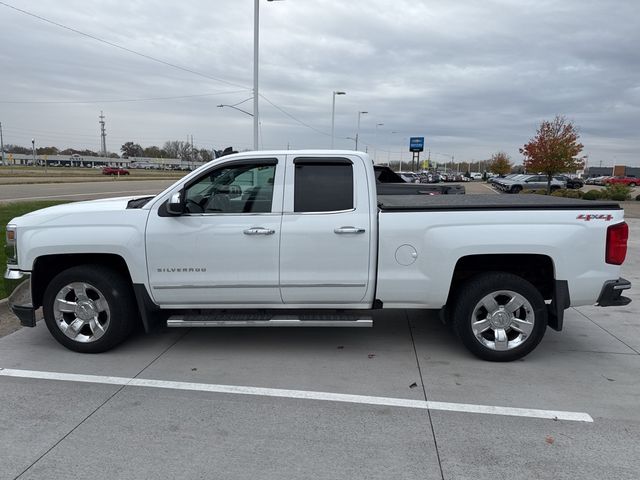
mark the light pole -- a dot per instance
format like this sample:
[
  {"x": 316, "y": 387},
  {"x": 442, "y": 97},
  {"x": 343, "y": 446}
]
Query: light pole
[
  {"x": 375, "y": 151},
  {"x": 1, "y": 144},
  {"x": 256, "y": 35},
  {"x": 333, "y": 114},
  {"x": 358, "y": 130},
  {"x": 33, "y": 151}
]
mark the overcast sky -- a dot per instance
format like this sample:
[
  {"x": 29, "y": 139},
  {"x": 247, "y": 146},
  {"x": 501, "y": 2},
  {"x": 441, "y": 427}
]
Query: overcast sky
[{"x": 472, "y": 77}]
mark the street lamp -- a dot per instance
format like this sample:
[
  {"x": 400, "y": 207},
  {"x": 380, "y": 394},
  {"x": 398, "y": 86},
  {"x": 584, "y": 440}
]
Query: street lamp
[
  {"x": 236, "y": 108},
  {"x": 352, "y": 138},
  {"x": 333, "y": 114},
  {"x": 358, "y": 130},
  {"x": 33, "y": 151},
  {"x": 256, "y": 35}
]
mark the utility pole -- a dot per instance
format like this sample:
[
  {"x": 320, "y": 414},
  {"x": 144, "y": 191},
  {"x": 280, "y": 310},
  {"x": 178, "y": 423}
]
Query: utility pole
[
  {"x": 1, "y": 144},
  {"x": 103, "y": 136},
  {"x": 358, "y": 130}
]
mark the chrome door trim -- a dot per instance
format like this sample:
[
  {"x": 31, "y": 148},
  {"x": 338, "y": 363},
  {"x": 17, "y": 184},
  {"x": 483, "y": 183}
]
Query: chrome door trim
[
  {"x": 328, "y": 285},
  {"x": 182, "y": 286}
]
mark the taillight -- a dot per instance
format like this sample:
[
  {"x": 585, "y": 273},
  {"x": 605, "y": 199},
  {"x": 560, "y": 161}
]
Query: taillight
[{"x": 617, "y": 236}]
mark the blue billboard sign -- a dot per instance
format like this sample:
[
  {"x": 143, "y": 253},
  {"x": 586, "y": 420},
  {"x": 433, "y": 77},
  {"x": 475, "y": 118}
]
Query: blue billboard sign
[{"x": 416, "y": 144}]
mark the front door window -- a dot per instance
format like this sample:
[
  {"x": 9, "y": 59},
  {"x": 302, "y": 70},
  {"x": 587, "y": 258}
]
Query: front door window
[{"x": 245, "y": 188}]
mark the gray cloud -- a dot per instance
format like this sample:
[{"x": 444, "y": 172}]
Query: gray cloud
[{"x": 472, "y": 77}]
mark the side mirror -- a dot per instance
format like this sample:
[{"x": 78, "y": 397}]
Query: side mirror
[{"x": 175, "y": 205}]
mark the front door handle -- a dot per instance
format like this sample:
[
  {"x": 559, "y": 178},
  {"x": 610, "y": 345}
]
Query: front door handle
[
  {"x": 259, "y": 231},
  {"x": 343, "y": 230}
]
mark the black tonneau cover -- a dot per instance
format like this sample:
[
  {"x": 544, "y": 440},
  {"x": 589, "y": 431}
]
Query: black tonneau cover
[{"x": 403, "y": 203}]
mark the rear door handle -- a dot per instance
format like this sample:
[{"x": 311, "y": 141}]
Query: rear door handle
[
  {"x": 259, "y": 231},
  {"x": 344, "y": 230}
]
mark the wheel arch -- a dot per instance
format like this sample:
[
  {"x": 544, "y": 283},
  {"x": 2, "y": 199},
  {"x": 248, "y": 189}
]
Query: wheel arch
[
  {"x": 537, "y": 269},
  {"x": 46, "y": 267}
]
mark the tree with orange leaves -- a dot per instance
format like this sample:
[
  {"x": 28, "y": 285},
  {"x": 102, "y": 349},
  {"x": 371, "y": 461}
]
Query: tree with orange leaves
[
  {"x": 500, "y": 163},
  {"x": 554, "y": 149}
]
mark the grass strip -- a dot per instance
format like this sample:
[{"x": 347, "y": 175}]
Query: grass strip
[{"x": 7, "y": 212}]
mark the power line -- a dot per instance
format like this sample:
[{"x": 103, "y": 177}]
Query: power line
[
  {"x": 154, "y": 59},
  {"x": 115, "y": 45},
  {"x": 294, "y": 118},
  {"x": 127, "y": 100}
]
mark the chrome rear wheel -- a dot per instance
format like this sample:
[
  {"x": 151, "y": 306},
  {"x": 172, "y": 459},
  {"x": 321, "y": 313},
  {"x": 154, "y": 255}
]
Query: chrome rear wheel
[
  {"x": 499, "y": 316},
  {"x": 502, "y": 320}
]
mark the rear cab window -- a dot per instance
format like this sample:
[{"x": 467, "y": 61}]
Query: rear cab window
[{"x": 323, "y": 185}]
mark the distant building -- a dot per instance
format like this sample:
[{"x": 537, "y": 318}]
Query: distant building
[
  {"x": 611, "y": 171},
  {"x": 598, "y": 172}
]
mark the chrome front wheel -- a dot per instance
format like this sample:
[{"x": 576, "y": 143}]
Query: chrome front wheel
[
  {"x": 81, "y": 312},
  {"x": 89, "y": 308}
]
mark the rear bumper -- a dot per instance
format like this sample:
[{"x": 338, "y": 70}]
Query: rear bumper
[
  {"x": 22, "y": 306},
  {"x": 611, "y": 294}
]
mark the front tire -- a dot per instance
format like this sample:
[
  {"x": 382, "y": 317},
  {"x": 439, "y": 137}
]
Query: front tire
[
  {"x": 499, "y": 316},
  {"x": 89, "y": 308}
]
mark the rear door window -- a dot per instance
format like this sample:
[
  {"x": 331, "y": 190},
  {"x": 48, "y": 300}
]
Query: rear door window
[{"x": 323, "y": 185}]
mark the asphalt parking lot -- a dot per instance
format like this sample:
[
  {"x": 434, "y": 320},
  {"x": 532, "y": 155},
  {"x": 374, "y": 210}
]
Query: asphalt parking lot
[{"x": 401, "y": 400}]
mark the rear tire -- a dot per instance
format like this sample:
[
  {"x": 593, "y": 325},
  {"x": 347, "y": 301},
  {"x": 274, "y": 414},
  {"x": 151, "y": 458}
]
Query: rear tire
[
  {"x": 89, "y": 308},
  {"x": 499, "y": 316}
]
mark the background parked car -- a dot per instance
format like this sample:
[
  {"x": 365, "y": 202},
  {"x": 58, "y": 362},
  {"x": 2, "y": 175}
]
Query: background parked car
[
  {"x": 623, "y": 180},
  {"x": 409, "y": 177},
  {"x": 115, "y": 171},
  {"x": 571, "y": 182},
  {"x": 528, "y": 182},
  {"x": 597, "y": 180}
]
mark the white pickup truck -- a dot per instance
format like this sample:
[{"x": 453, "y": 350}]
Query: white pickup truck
[{"x": 302, "y": 238}]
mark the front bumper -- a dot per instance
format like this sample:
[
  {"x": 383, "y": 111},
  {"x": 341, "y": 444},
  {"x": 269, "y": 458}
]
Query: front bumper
[
  {"x": 21, "y": 304},
  {"x": 11, "y": 274},
  {"x": 611, "y": 294}
]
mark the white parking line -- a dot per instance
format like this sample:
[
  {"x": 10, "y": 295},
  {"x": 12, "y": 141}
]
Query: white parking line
[
  {"x": 301, "y": 394},
  {"x": 488, "y": 187}
]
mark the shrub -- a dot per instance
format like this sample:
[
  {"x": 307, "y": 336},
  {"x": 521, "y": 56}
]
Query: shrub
[
  {"x": 536, "y": 192},
  {"x": 574, "y": 194},
  {"x": 559, "y": 193},
  {"x": 618, "y": 192},
  {"x": 592, "y": 195}
]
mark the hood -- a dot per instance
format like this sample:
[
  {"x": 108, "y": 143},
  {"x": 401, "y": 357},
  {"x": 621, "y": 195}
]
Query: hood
[{"x": 84, "y": 209}]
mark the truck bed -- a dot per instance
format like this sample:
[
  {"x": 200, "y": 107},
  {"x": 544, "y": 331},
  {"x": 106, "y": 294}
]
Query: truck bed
[{"x": 403, "y": 203}]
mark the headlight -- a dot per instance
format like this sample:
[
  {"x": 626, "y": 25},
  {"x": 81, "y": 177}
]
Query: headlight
[{"x": 11, "y": 245}]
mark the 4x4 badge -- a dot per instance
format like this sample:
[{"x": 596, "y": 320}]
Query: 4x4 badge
[{"x": 592, "y": 216}]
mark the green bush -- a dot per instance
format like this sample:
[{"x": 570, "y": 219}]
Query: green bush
[
  {"x": 559, "y": 193},
  {"x": 592, "y": 195},
  {"x": 617, "y": 191},
  {"x": 574, "y": 194},
  {"x": 536, "y": 192}
]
